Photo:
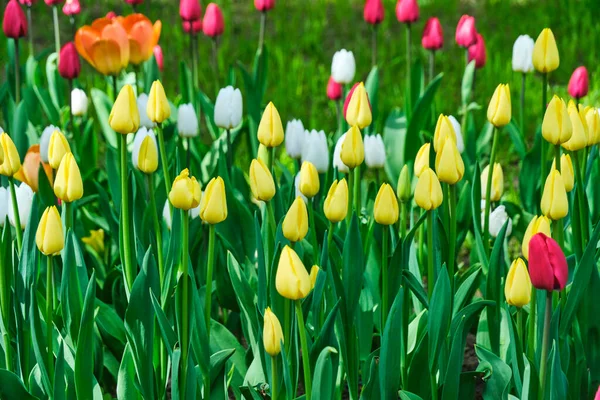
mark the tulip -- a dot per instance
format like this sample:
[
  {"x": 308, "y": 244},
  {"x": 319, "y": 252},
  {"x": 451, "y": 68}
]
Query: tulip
[
  {"x": 517, "y": 288},
  {"x": 270, "y": 129},
  {"x": 358, "y": 109},
  {"x": 264, "y": 5},
  {"x": 428, "y": 192},
  {"x": 190, "y": 10},
  {"x": 15, "y": 22},
  {"x": 460, "y": 144},
  {"x": 213, "y": 208},
  {"x": 407, "y": 11},
  {"x": 185, "y": 192},
  {"x": 124, "y": 117},
  {"x": 373, "y": 12},
  {"x": 314, "y": 273},
  {"x": 433, "y": 35},
  {"x": 4, "y": 205},
  {"x": 566, "y": 171},
  {"x": 353, "y": 151},
  {"x": 158, "y": 108},
  {"x": 315, "y": 150},
  {"x": 45, "y": 141},
  {"x": 404, "y": 186},
  {"x": 374, "y": 151},
  {"x": 111, "y": 15},
  {"x": 297, "y": 191},
  {"x": 547, "y": 263},
  {"x": 556, "y": 126},
  {"x": 386, "y": 210},
  {"x": 497, "y": 182},
  {"x": 79, "y": 102},
  {"x": 27, "y": 3},
  {"x": 554, "y": 198},
  {"x": 309, "y": 179},
  {"x": 71, "y": 7},
  {"x": 343, "y": 67},
  {"x": 477, "y": 52},
  {"x": 335, "y": 206},
  {"x": 499, "y": 109},
  {"x": 228, "y": 108},
  {"x": 261, "y": 181},
  {"x": 213, "y": 24},
  {"x": 592, "y": 119},
  {"x": 142, "y": 104},
  {"x": 68, "y": 62},
  {"x": 545, "y": 53},
  {"x": 49, "y": 237},
  {"x": 466, "y": 34},
  {"x": 192, "y": 26},
  {"x": 537, "y": 224},
  {"x": 498, "y": 218},
  {"x": 291, "y": 280},
  {"x": 579, "y": 137},
  {"x": 24, "y": 195},
  {"x": 53, "y": 2},
  {"x": 294, "y": 138},
  {"x": 144, "y": 155},
  {"x": 68, "y": 185},
  {"x": 295, "y": 223},
  {"x": 443, "y": 128},
  {"x": 272, "y": 333},
  {"x": 143, "y": 36},
  {"x": 158, "y": 55},
  {"x": 104, "y": 45},
  {"x": 29, "y": 172},
  {"x": 12, "y": 161},
  {"x": 522, "y": 54},
  {"x": 57, "y": 148},
  {"x": 334, "y": 89},
  {"x": 187, "y": 121},
  {"x": 422, "y": 159},
  {"x": 448, "y": 162},
  {"x": 579, "y": 83},
  {"x": 95, "y": 240},
  {"x": 337, "y": 153}
]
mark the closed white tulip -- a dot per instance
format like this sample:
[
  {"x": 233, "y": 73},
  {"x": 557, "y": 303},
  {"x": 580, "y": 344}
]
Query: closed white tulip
[
  {"x": 137, "y": 142},
  {"x": 522, "y": 59},
  {"x": 4, "y": 200},
  {"x": 294, "y": 138},
  {"x": 498, "y": 218},
  {"x": 228, "y": 108},
  {"x": 460, "y": 143},
  {"x": 374, "y": 151},
  {"x": 337, "y": 159},
  {"x": 316, "y": 150},
  {"x": 297, "y": 186},
  {"x": 79, "y": 102},
  {"x": 187, "y": 121},
  {"x": 45, "y": 141},
  {"x": 343, "y": 67},
  {"x": 142, "y": 102},
  {"x": 24, "y": 196}
]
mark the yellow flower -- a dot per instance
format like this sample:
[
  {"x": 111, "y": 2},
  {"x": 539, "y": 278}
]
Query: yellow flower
[
  {"x": 554, "y": 199},
  {"x": 148, "y": 156},
  {"x": 12, "y": 161},
  {"x": 270, "y": 129},
  {"x": 314, "y": 273},
  {"x": 295, "y": 223},
  {"x": 448, "y": 162},
  {"x": 556, "y": 126},
  {"x": 185, "y": 193},
  {"x": 403, "y": 188},
  {"x": 517, "y": 288},
  {"x": 428, "y": 193},
  {"x": 336, "y": 202},
  {"x": 443, "y": 129},
  {"x": 499, "y": 109},
  {"x": 292, "y": 280},
  {"x": 592, "y": 119},
  {"x": 579, "y": 139},
  {"x": 545, "y": 52},
  {"x": 49, "y": 236},
  {"x": 262, "y": 185},
  {"x": 422, "y": 159},
  {"x": 537, "y": 224},
  {"x": 497, "y": 182},
  {"x": 386, "y": 206},
  {"x": 158, "y": 108},
  {"x": 272, "y": 333},
  {"x": 124, "y": 117},
  {"x": 1, "y": 155},
  {"x": 566, "y": 171},
  {"x": 353, "y": 149},
  {"x": 68, "y": 185},
  {"x": 213, "y": 208},
  {"x": 58, "y": 146},
  {"x": 359, "y": 109},
  {"x": 95, "y": 240},
  {"x": 309, "y": 179}
]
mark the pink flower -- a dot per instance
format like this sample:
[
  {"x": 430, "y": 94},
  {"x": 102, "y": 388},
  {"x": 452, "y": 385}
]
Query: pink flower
[
  {"x": 158, "y": 54},
  {"x": 69, "y": 65},
  {"x": 192, "y": 26},
  {"x": 27, "y": 3},
  {"x": 334, "y": 89},
  {"x": 374, "y": 12},
  {"x": 111, "y": 15},
  {"x": 477, "y": 52},
  {"x": 466, "y": 34},
  {"x": 71, "y": 7},
  {"x": 547, "y": 263},
  {"x": 53, "y": 2},
  {"x": 407, "y": 11},
  {"x": 190, "y": 10},
  {"x": 579, "y": 83},
  {"x": 213, "y": 23},
  {"x": 15, "y": 22},
  {"x": 433, "y": 35},
  {"x": 264, "y": 5}
]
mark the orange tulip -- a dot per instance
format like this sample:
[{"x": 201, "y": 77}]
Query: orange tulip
[
  {"x": 143, "y": 36},
  {"x": 104, "y": 44},
  {"x": 31, "y": 166}
]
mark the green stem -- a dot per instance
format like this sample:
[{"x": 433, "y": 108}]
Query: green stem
[
  {"x": 356, "y": 196},
  {"x": 56, "y": 30},
  {"x": 545, "y": 343},
  {"x": 5, "y": 309},
  {"x": 488, "y": 191},
  {"x": 305, "y": 355},
  {"x": 434, "y": 388},
  {"x": 185, "y": 317},
  {"x": 543, "y": 171},
  {"x": 522, "y": 104},
  {"x": 432, "y": 65},
  {"x": 49, "y": 325},
  {"x": 520, "y": 324},
  {"x": 273, "y": 377},
  {"x": 30, "y": 30},
  {"x": 287, "y": 325},
  {"x": 532, "y": 322},
  {"x": 350, "y": 197},
  {"x": 340, "y": 114},
  {"x": 129, "y": 267},
  {"x": 329, "y": 236},
  {"x": 452, "y": 247},
  {"x": 163, "y": 159},
  {"x": 215, "y": 60},
  {"x": 209, "y": 277},
  {"x": 384, "y": 276},
  {"x": 157, "y": 230},
  {"x": 271, "y": 229},
  {"x": 313, "y": 228},
  {"x": 15, "y": 204},
  {"x": 402, "y": 220},
  {"x": 17, "y": 74},
  {"x": 408, "y": 52},
  {"x": 557, "y": 157},
  {"x": 374, "y": 46},
  {"x": 580, "y": 194},
  {"x": 430, "y": 251},
  {"x": 263, "y": 25},
  {"x": 68, "y": 216},
  {"x": 271, "y": 152}
]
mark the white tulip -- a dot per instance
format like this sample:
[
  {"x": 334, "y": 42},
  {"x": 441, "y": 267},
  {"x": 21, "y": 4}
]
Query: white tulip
[
  {"x": 498, "y": 218},
  {"x": 187, "y": 121},
  {"x": 45, "y": 141},
  {"x": 374, "y": 151},
  {"x": 337, "y": 159},
  {"x": 228, "y": 108},
  {"x": 4, "y": 200},
  {"x": 522, "y": 58},
  {"x": 142, "y": 102},
  {"x": 24, "y": 196},
  {"x": 166, "y": 213},
  {"x": 343, "y": 67},
  {"x": 297, "y": 186},
  {"x": 316, "y": 150},
  {"x": 79, "y": 102},
  {"x": 137, "y": 143},
  {"x": 294, "y": 138},
  {"x": 460, "y": 144}
]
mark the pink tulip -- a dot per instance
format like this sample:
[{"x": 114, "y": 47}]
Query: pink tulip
[
  {"x": 466, "y": 34},
  {"x": 190, "y": 10},
  {"x": 579, "y": 83},
  {"x": 213, "y": 23},
  {"x": 407, "y": 11},
  {"x": 158, "y": 54},
  {"x": 477, "y": 52},
  {"x": 69, "y": 65},
  {"x": 547, "y": 263},
  {"x": 374, "y": 12},
  {"x": 433, "y": 35},
  {"x": 264, "y": 5},
  {"x": 15, "y": 22},
  {"x": 334, "y": 89},
  {"x": 71, "y": 7},
  {"x": 111, "y": 15},
  {"x": 192, "y": 26},
  {"x": 53, "y": 2},
  {"x": 27, "y": 3}
]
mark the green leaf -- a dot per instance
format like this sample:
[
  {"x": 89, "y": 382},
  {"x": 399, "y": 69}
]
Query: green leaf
[
  {"x": 372, "y": 87},
  {"x": 467, "y": 83},
  {"x": 476, "y": 212},
  {"x": 71, "y": 294},
  {"x": 353, "y": 269},
  {"x": 126, "y": 388},
  {"x": 167, "y": 332},
  {"x": 389, "y": 357},
  {"x": 54, "y": 80},
  {"x": 497, "y": 374},
  {"x": 517, "y": 138},
  {"x": 217, "y": 362},
  {"x": 103, "y": 106},
  {"x": 12, "y": 387},
  {"x": 395, "y": 140},
  {"x": 21, "y": 121},
  {"x": 416, "y": 287},
  {"x": 556, "y": 381},
  {"x": 59, "y": 373},
  {"x": 325, "y": 376},
  {"x": 439, "y": 317},
  {"x": 84, "y": 362},
  {"x": 245, "y": 299}
]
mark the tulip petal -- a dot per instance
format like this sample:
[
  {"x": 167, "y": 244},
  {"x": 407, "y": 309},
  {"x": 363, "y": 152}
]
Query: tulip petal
[{"x": 107, "y": 56}]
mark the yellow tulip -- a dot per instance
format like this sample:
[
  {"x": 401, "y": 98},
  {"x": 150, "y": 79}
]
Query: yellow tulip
[
  {"x": 448, "y": 162},
  {"x": 270, "y": 129},
  {"x": 359, "y": 109},
  {"x": 422, "y": 159},
  {"x": 314, "y": 273},
  {"x": 403, "y": 188},
  {"x": 262, "y": 185},
  {"x": 517, "y": 288},
  {"x": 213, "y": 208},
  {"x": 554, "y": 199},
  {"x": 185, "y": 192},
  {"x": 295, "y": 223},
  {"x": 148, "y": 156},
  {"x": 497, "y": 182},
  {"x": 158, "y": 108},
  {"x": 443, "y": 129},
  {"x": 58, "y": 146},
  {"x": 592, "y": 119},
  {"x": 353, "y": 149},
  {"x": 68, "y": 185},
  {"x": 428, "y": 193},
  {"x": 499, "y": 109},
  {"x": 292, "y": 280},
  {"x": 386, "y": 206},
  {"x": 309, "y": 179},
  {"x": 272, "y": 333},
  {"x": 95, "y": 240},
  {"x": 537, "y": 224},
  {"x": 49, "y": 236},
  {"x": 579, "y": 139},
  {"x": 1, "y": 156},
  {"x": 545, "y": 52},
  {"x": 556, "y": 126},
  {"x": 566, "y": 171},
  {"x": 336, "y": 202},
  {"x": 124, "y": 117},
  {"x": 12, "y": 161}
]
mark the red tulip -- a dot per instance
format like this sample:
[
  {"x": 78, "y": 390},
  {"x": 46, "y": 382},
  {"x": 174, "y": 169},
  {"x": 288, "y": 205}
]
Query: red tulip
[
  {"x": 68, "y": 62},
  {"x": 213, "y": 23},
  {"x": 374, "y": 12},
  {"x": 192, "y": 26},
  {"x": 264, "y": 5},
  {"x": 27, "y": 3},
  {"x": 579, "y": 83},
  {"x": 466, "y": 34},
  {"x": 477, "y": 52},
  {"x": 547, "y": 263},
  {"x": 334, "y": 89},
  {"x": 158, "y": 54},
  {"x": 53, "y": 2},
  {"x": 433, "y": 35},
  {"x": 71, "y": 7},
  {"x": 134, "y": 2},
  {"x": 407, "y": 11},
  {"x": 15, "y": 22},
  {"x": 190, "y": 10},
  {"x": 111, "y": 15}
]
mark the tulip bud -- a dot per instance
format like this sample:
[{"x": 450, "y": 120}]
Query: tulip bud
[
  {"x": 187, "y": 121},
  {"x": 144, "y": 155},
  {"x": 228, "y": 107},
  {"x": 12, "y": 161},
  {"x": 337, "y": 155},
  {"x": 315, "y": 150},
  {"x": 158, "y": 108},
  {"x": 95, "y": 240},
  {"x": 213, "y": 208},
  {"x": 547, "y": 263},
  {"x": 158, "y": 55},
  {"x": 373, "y": 12},
  {"x": 45, "y": 141},
  {"x": 498, "y": 218},
  {"x": 358, "y": 109},
  {"x": 517, "y": 288},
  {"x": 522, "y": 54},
  {"x": 294, "y": 138},
  {"x": 499, "y": 109},
  {"x": 477, "y": 52},
  {"x": 49, "y": 237},
  {"x": 185, "y": 193},
  {"x": 272, "y": 333},
  {"x": 374, "y": 151},
  {"x": 343, "y": 67},
  {"x": 537, "y": 224},
  {"x": 15, "y": 22},
  {"x": 579, "y": 83},
  {"x": 566, "y": 171},
  {"x": 592, "y": 119},
  {"x": 554, "y": 198},
  {"x": 69, "y": 66},
  {"x": 386, "y": 206},
  {"x": 57, "y": 148},
  {"x": 291, "y": 280},
  {"x": 309, "y": 180},
  {"x": 466, "y": 34},
  {"x": 545, "y": 52},
  {"x": 79, "y": 102},
  {"x": 404, "y": 185},
  {"x": 314, "y": 273},
  {"x": 556, "y": 126},
  {"x": 460, "y": 144},
  {"x": 124, "y": 117},
  {"x": 24, "y": 195},
  {"x": 295, "y": 223},
  {"x": 353, "y": 151},
  {"x": 297, "y": 191},
  {"x": 433, "y": 35},
  {"x": 336, "y": 202},
  {"x": 407, "y": 11},
  {"x": 213, "y": 24},
  {"x": 579, "y": 137},
  {"x": 261, "y": 181},
  {"x": 334, "y": 89},
  {"x": 448, "y": 162},
  {"x": 270, "y": 129},
  {"x": 264, "y": 5},
  {"x": 68, "y": 185},
  {"x": 497, "y": 182},
  {"x": 428, "y": 192},
  {"x": 71, "y": 7},
  {"x": 422, "y": 159},
  {"x": 443, "y": 129},
  {"x": 190, "y": 10}
]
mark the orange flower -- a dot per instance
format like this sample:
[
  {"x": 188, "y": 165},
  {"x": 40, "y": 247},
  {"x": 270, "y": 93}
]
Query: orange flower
[
  {"x": 143, "y": 36},
  {"x": 104, "y": 45},
  {"x": 31, "y": 166}
]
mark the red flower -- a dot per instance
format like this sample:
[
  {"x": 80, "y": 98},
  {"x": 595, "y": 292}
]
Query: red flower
[
  {"x": 15, "y": 22},
  {"x": 374, "y": 12},
  {"x": 264, "y": 5},
  {"x": 192, "y": 26},
  {"x": 213, "y": 23},
  {"x": 69, "y": 66},
  {"x": 579, "y": 83},
  {"x": 547, "y": 263},
  {"x": 477, "y": 52},
  {"x": 407, "y": 11},
  {"x": 158, "y": 54},
  {"x": 433, "y": 35},
  {"x": 190, "y": 10},
  {"x": 466, "y": 34},
  {"x": 71, "y": 7},
  {"x": 334, "y": 89}
]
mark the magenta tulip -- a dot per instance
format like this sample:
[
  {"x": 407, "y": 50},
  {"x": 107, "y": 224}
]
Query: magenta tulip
[
  {"x": 158, "y": 54},
  {"x": 547, "y": 263},
  {"x": 579, "y": 83},
  {"x": 71, "y": 7},
  {"x": 69, "y": 65},
  {"x": 190, "y": 10},
  {"x": 433, "y": 35},
  {"x": 264, "y": 5},
  {"x": 477, "y": 52},
  {"x": 213, "y": 23},
  {"x": 374, "y": 12},
  {"x": 334, "y": 89},
  {"x": 15, "y": 22},
  {"x": 407, "y": 11},
  {"x": 466, "y": 34}
]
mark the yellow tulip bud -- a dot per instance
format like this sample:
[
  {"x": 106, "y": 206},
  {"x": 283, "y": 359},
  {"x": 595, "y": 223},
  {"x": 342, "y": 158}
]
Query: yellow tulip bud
[
  {"x": 292, "y": 280},
  {"x": 428, "y": 193},
  {"x": 309, "y": 179},
  {"x": 261, "y": 181},
  {"x": 124, "y": 117},
  {"x": 270, "y": 129},
  {"x": 95, "y": 240},
  {"x": 336, "y": 202},
  {"x": 213, "y": 208},
  {"x": 422, "y": 159},
  {"x": 579, "y": 139},
  {"x": 158, "y": 108},
  {"x": 403, "y": 189},
  {"x": 386, "y": 206},
  {"x": 68, "y": 185},
  {"x": 497, "y": 182},
  {"x": 517, "y": 288},
  {"x": 448, "y": 162},
  {"x": 185, "y": 192},
  {"x": 566, "y": 171},
  {"x": 314, "y": 273},
  {"x": 359, "y": 109},
  {"x": 499, "y": 110},
  {"x": 148, "y": 156},
  {"x": 49, "y": 237},
  {"x": 272, "y": 333},
  {"x": 556, "y": 126},
  {"x": 1, "y": 156},
  {"x": 545, "y": 52},
  {"x": 537, "y": 224},
  {"x": 295, "y": 223},
  {"x": 554, "y": 199},
  {"x": 443, "y": 129},
  {"x": 58, "y": 146},
  {"x": 12, "y": 161},
  {"x": 592, "y": 119},
  {"x": 263, "y": 153},
  {"x": 353, "y": 149}
]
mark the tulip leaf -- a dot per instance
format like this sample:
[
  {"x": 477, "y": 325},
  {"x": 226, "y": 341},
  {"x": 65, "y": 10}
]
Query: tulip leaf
[
  {"x": 517, "y": 138},
  {"x": 416, "y": 287},
  {"x": 325, "y": 375},
  {"x": 394, "y": 138},
  {"x": 494, "y": 288},
  {"x": 126, "y": 388},
  {"x": 372, "y": 87},
  {"x": 12, "y": 387},
  {"x": 353, "y": 269},
  {"x": 54, "y": 80},
  {"x": 84, "y": 362},
  {"x": 556, "y": 386},
  {"x": 467, "y": 83},
  {"x": 466, "y": 290},
  {"x": 38, "y": 340},
  {"x": 21, "y": 121},
  {"x": 103, "y": 106},
  {"x": 497, "y": 374},
  {"x": 476, "y": 212},
  {"x": 389, "y": 357},
  {"x": 370, "y": 390},
  {"x": 440, "y": 313},
  {"x": 529, "y": 177}
]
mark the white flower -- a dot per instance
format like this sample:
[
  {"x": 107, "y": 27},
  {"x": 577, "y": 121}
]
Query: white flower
[
  {"x": 498, "y": 218},
  {"x": 142, "y": 102},
  {"x": 137, "y": 143},
  {"x": 228, "y": 108},
  {"x": 316, "y": 150},
  {"x": 337, "y": 159},
  {"x": 460, "y": 144},
  {"x": 166, "y": 213},
  {"x": 297, "y": 186},
  {"x": 294, "y": 138},
  {"x": 79, "y": 102},
  {"x": 45, "y": 141},
  {"x": 343, "y": 67},
  {"x": 4, "y": 200},
  {"x": 522, "y": 58},
  {"x": 187, "y": 121},
  {"x": 374, "y": 151},
  {"x": 24, "y": 200}
]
